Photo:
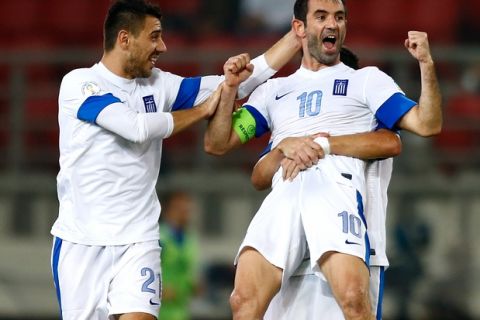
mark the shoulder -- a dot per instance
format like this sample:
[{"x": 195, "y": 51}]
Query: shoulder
[
  {"x": 159, "y": 76},
  {"x": 84, "y": 80},
  {"x": 371, "y": 71},
  {"x": 79, "y": 74},
  {"x": 278, "y": 82},
  {"x": 372, "y": 75}
]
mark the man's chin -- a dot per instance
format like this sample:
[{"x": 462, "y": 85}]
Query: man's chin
[
  {"x": 145, "y": 73},
  {"x": 329, "y": 59}
]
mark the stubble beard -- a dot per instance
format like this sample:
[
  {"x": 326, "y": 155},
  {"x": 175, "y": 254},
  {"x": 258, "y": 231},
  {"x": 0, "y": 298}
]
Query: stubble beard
[
  {"x": 135, "y": 68},
  {"x": 314, "y": 47}
]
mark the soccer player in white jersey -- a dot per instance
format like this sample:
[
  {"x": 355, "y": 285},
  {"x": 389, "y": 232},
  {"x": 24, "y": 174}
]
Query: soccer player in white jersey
[
  {"x": 113, "y": 118},
  {"x": 323, "y": 208},
  {"x": 305, "y": 295}
]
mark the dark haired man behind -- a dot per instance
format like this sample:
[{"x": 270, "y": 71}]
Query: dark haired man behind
[{"x": 113, "y": 118}]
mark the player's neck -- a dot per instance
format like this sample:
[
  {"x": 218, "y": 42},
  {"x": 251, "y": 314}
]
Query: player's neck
[
  {"x": 113, "y": 63},
  {"x": 310, "y": 63}
]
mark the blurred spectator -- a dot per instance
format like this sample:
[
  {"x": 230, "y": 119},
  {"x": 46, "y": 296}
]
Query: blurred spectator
[
  {"x": 179, "y": 257},
  {"x": 265, "y": 16}
]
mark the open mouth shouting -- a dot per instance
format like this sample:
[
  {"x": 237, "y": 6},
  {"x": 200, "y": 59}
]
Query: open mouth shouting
[{"x": 329, "y": 43}]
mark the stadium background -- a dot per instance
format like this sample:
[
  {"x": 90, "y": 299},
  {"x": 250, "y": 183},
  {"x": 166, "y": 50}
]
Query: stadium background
[{"x": 434, "y": 210}]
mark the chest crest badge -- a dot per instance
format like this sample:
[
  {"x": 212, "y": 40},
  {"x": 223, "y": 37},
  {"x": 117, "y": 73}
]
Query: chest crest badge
[
  {"x": 149, "y": 103},
  {"x": 340, "y": 87}
]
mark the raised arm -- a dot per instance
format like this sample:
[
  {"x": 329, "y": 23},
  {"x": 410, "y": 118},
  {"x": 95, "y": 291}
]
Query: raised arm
[
  {"x": 369, "y": 145},
  {"x": 283, "y": 51},
  {"x": 220, "y": 136},
  {"x": 270, "y": 62},
  {"x": 425, "y": 119}
]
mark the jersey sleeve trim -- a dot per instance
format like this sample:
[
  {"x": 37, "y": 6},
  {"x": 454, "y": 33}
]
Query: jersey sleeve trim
[
  {"x": 93, "y": 105},
  {"x": 393, "y": 109},
  {"x": 260, "y": 121},
  {"x": 187, "y": 93}
]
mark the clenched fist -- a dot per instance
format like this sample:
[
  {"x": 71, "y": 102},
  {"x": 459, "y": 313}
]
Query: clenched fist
[
  {"x": 417, "y": 45},
  {"x": 237, "y": 69}
]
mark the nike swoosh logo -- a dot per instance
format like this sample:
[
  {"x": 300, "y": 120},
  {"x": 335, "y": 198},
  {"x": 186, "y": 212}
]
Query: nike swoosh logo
[
  {"x": 349, "y": 242},
  {"x": 277, "y": 97},
  {"x": 154, "y": 303}
]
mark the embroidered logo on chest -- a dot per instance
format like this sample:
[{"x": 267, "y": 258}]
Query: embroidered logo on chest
[
  {"x": 149, "y": 103},
  {"x": 340, "y": 87}
]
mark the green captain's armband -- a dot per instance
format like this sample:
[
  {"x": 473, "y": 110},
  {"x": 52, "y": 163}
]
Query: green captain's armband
[{"x": 244, "y": 124}]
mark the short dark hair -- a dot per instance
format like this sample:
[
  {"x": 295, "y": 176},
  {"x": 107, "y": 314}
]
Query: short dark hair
[
  {"x": 126, "y": 15},
  {"x": 349, "y": 58},
  {"x": 300, "y": 9}
]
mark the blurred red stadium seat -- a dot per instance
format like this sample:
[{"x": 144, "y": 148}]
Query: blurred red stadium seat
[
  {"x": 440, "y": 19},
  {"x": 184, "y": 7},
  {"x": 387, "y": 22},
  {"x": 40, "y": 135},
  {"x": 19, "y": 18},
  {"x": 375, "y": 22},
  {"x": 75, "y": 22},
  {"x": 461, "y": 130}
]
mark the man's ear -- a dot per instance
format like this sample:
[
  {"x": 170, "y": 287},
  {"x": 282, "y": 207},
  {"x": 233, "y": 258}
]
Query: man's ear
[
  {"x": 123, "y": 39},
  {"x": 299, "y": 28}
]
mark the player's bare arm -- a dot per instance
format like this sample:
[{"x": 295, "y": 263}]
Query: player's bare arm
[
  {"x": 283, "y": 50},
  {"x": 426, "y": 118},
  {"x": 219, "y": 136},
  {"x": 369, "y": 145},
  {"x": 270, "y": 62},
  {"x": 293, "y": 153},
  {"x": 183, "y": 119}
]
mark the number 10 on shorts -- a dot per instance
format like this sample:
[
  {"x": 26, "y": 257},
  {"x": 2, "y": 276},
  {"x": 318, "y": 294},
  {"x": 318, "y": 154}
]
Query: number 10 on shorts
[{"x": 351, "y": 223}]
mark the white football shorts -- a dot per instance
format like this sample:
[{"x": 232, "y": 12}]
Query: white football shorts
[
  {"x": 96, "y": 282},
  {"x": 319, "y": 210}
]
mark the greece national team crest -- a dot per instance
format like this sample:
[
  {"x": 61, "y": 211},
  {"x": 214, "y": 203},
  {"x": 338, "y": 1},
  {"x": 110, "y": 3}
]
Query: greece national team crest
[
  {"x": 149, "y": 102},
  {"x": 340, "y": 87}
]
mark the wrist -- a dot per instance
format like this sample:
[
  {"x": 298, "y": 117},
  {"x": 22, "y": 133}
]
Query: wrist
[
  {"x": 426, "y": 61},
  {"x": 324, "y": 143},
  {"x": 229, "y": 86}
]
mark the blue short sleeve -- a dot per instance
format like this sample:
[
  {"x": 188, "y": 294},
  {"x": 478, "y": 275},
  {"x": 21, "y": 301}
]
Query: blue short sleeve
[
  {"x": 393, "y": 109},
  {"x": 93, "y": 105},
  {"x": 187, "y": 93}
]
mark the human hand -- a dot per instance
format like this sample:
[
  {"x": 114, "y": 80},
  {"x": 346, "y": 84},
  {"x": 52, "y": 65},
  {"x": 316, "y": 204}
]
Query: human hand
[
  {"x": 210, "y": 105},
  {"x": 417, "y": 45},
  {"x": 303, "y": 150},
  {"x": 290, "y": 169},
  {"x": 237, "y": 69}
]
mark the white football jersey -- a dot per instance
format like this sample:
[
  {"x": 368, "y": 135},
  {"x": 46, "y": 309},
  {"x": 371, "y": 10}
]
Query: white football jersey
[
  {"x": 338, "y": 100},
  {"x": 106, "y": 184},
  {"x": 378, "y": 174}
]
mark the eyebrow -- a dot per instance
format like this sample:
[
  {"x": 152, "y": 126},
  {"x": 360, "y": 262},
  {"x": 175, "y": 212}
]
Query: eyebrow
[
  {"x": 319, "y": 11},
  {"x": 156, "y": 31}
]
